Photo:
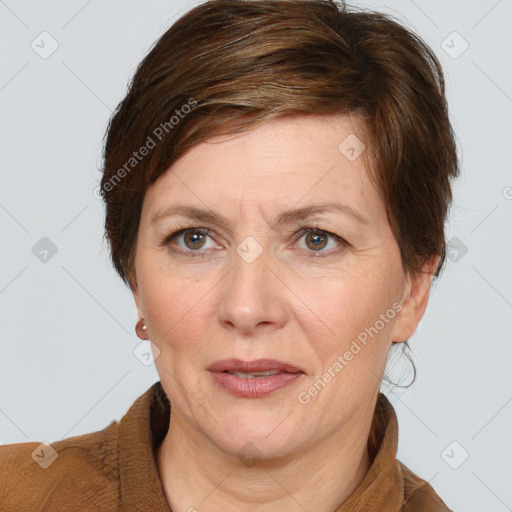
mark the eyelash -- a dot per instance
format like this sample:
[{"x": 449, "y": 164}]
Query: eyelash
[{"x": 206, "y": 232}]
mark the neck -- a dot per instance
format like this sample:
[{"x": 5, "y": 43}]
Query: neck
[{"x": 196, "y": 474}]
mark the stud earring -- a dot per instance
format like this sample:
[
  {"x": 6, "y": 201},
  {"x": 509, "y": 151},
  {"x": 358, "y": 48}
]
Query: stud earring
[{"x": 141, "y": 329}]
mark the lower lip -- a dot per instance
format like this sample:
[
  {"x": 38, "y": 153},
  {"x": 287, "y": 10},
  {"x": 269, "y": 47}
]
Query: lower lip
[{"x": 255, "y": 387}]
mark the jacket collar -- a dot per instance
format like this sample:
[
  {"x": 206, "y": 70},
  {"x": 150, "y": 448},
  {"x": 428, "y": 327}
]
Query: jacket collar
[
  {"x": 141, "y": 429},
  {"x": 382, "y": 488},
  {"x": 145, "y": 424}
]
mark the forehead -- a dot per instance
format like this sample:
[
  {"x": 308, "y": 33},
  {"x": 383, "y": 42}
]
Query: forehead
[{"x": 295, "y": 160}]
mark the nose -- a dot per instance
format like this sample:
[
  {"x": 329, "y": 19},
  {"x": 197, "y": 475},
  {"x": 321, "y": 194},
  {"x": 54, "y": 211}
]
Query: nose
[{"x": 253, "y": 297}]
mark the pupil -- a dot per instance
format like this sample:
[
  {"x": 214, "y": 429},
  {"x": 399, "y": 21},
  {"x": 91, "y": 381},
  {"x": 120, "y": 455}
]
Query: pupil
[
  {"x": 317, "y": 238},
  {"x": 195, "y": 239}
]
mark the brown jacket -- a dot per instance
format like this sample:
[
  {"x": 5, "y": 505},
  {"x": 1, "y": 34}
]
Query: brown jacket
[{"x": 115, "y": 470}]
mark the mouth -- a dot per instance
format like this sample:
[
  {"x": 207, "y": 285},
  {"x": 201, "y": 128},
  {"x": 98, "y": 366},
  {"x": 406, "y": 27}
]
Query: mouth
[
  {"x": 253, "y": 369},
  {"x": 253, "y": 379},
  {"x": 252, "y": 375}
]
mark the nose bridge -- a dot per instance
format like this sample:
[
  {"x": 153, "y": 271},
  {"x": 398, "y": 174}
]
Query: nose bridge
[
  {"x": 252, "y": 252},
  {"x": 249, "y": 263},
  {"x": 250, "y": 297}
]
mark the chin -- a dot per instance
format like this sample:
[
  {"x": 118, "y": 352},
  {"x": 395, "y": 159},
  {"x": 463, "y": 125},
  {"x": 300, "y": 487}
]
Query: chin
[{"x": 254, "y": 436}]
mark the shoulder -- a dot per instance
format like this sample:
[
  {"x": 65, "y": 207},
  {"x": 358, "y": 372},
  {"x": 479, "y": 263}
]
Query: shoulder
[
  {"x": 80, "y": 472},
  {"x": 419, "y": 495}
]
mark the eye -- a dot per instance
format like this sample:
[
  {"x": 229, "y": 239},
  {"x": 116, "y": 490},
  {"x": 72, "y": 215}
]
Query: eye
[
  {"x": 317, "y": 239},
  {"x": 193, "y": 239}
]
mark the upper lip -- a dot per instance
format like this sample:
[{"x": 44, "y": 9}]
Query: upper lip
[{"x": 256, "y": 365}]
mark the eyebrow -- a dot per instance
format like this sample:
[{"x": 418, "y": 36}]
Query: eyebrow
[{"x": 286, "y": 217}]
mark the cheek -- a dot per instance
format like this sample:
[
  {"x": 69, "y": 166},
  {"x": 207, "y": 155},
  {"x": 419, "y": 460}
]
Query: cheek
[
  {"x": 176, "y": 308},
  {"x": 357, "y": 313},
  {"x": 348, "y": 306}
]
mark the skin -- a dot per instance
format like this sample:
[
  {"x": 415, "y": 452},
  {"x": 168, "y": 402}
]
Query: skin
[{"x": 285, "y": 305}]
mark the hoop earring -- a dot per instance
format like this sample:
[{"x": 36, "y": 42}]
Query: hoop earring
[{"x": 141, "y": 329}]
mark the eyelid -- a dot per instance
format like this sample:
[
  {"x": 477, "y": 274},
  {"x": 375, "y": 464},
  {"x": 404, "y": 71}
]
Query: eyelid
[
  {"x": 303, "y": 231},
  {"x": 175, "y": 233}
]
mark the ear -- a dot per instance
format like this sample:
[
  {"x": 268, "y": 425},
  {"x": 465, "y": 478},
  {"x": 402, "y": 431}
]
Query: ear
[{"x": 414, "y": 301}]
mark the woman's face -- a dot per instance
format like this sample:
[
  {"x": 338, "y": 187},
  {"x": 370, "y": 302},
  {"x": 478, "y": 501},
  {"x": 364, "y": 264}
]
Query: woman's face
[{"x": 258, "y": 285}]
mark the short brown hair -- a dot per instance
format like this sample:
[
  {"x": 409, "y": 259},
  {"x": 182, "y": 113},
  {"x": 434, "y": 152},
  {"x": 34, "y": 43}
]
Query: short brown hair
[{"x": 231, "y": 65}]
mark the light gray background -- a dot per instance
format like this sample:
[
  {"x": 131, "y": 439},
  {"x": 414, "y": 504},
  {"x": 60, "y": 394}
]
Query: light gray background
[{"x": 67, "y": 325}]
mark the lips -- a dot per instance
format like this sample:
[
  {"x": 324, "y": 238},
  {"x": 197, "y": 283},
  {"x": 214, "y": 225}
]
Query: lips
[
  {"x": 255, "y": 366},
  {"x": 254, "y": 379}
]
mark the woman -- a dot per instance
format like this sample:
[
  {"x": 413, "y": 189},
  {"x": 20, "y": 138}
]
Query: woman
[{"x": 276, "y": 184}]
